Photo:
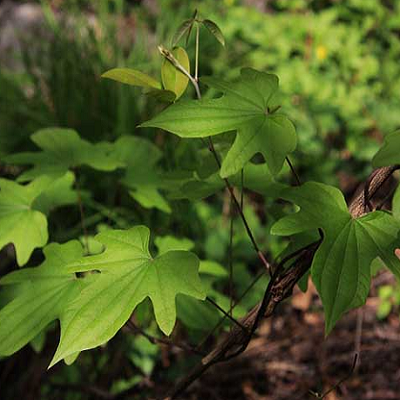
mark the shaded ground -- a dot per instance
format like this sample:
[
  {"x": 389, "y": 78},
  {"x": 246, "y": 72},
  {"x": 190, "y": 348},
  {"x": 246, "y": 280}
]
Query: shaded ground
[{"x": 290, "y": 357}]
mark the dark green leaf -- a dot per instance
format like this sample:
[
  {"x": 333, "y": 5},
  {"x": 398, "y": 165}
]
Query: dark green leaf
[
  {"x": 214, "y": 29},
  {"x": 341, "y": 266}
]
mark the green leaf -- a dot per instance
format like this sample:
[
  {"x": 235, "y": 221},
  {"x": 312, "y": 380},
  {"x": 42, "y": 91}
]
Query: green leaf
[
  {"x": 184, "y": 28},
  {"x": 127, "y": 275},
  {"x": 168, "y": 243},
  {"x": 20, "y": 224},
  {"x": 247, "y": 107},
  {"x": 341, "y": 265},
  {"x": 214, "y": 29},
  {"x": 59, "y": 193},
  {"x": 396, "y": 204},
  {"x": 62, "y": 149},
  {"x": 165, "y": 96},
  {"x": 132, "y": 77},
  {"x": 172, "y": 79},
  {"x": 47, "y": 291},
  {"x": 389, "y": 153},
  {"x": 141, "y": 176},
  {"x": 256, "y": 177}
]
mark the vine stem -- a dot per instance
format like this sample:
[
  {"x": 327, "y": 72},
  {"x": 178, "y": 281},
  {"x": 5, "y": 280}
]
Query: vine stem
[
  {"x": 196, "y": 71},
  {"x": 82, "y": 214},
  {"x": 169, "y": 56}
]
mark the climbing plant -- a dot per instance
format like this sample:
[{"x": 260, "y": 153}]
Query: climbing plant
[{"x": 243, "y": 143}]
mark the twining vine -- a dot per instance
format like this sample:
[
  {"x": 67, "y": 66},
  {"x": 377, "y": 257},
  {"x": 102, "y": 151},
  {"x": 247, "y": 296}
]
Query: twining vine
[{"x": 95, "y": 295}]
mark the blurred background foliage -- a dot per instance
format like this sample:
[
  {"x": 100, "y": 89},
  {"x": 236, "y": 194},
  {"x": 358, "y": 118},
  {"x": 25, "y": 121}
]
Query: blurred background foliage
[{"x": 338, "y": 67}]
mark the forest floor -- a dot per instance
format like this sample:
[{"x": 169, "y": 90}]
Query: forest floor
[{"x": 290, "y": 357}]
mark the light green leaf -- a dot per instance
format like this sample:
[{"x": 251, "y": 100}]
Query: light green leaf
[
  {"x": 389, "y": 153},
  {"x": 132, "y": 77},
  {"x": 62, "y": 149},
  {"x": 172, "y": 79},
  {"x": 168, "y": 243},
  {"x": 59, "y": 193},
  {"x": 47, "y": 291},
  {"x": 209, "y": 267},
  {"x": 141, "y": 176},
  {"x": 127, "y": 275},
  {"x": 249, "y": 107},
  {"x": 214, "y": 29},
  {"x": 341, "y": 265},
  {"x": 20, "y": 224}
]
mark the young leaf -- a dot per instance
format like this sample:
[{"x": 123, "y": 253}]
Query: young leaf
[
  {"x": 389, "y": 153},
  {"x": 341, "y": 265},
  {"x": 20, "y": 224},
  {"x": 184, "y": 28},
  {"x": 127, "y": 275},
  {"x": 62, "y": 149},
  {"x": 172, "y": 79},
  {"x": 132, "y": 77},
  {"x": 47, "y": 291},
  {"x": 214, "y": 29},
  {"x": 248, "y": 107}
]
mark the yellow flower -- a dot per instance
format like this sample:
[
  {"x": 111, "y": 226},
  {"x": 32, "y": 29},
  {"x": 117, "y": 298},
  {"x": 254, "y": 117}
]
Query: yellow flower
[{"x": 321, "y": 53}]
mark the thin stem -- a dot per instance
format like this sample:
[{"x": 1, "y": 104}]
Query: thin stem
[
  {"x": 82, "y": 214},
  {"x": 225, "y": 313},
  {"x": 241, "y": 188},
  {"x": 296, "y": 177},
  {"x": 196, "y": 66},
  {"x": 321, "y": 396},
  {"x": 152, "y": 339},
  {"x": 230, "y": 259},
  {"x": 211, "y": 147},
  {"x": 219, "y": 323}
]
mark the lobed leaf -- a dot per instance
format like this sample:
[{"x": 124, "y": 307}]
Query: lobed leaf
[
  {"x": 62, "y": 149},
  {"x": 20, "y": 224},
  {"x": 341, "y": 265},
  {"x": 247, "y": 107},
  {"x": 127, "y": 275}
]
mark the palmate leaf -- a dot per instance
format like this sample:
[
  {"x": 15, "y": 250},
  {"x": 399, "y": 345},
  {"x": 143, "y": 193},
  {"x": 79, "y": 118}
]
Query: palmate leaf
[
  {"x": 249, "y": 107},
  {"x": 128, "y": 274},
  {"x": 341, "y": 265},
  {"x": 20, "y": 224},
  {"x": 23, "y": 211},
  {"x": 142, "y": 177},
  {"x": 62, "y": 149},
  {"x": 92, "y": 308},
  {"x": 47, "y": 291}
]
